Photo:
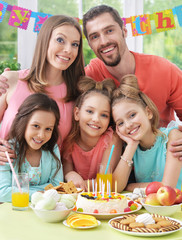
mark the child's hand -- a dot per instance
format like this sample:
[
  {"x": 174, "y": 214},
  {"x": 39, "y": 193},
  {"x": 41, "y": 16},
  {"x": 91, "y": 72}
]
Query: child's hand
[
  {"x": 76, "y": 179},
  {"x": 127, "y": 139}
]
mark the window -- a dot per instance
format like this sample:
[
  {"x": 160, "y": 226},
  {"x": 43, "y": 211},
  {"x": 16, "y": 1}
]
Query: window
[
  {"x": 166, "y": 44},
  {"x": 8, "y": 37}
]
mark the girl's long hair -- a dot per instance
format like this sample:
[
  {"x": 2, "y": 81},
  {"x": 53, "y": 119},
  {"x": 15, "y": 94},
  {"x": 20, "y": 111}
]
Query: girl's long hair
[
  {"x": 129, "y": 90},
  {"x": 34, "y": 102},
  {"x": 87, "y": 86},
  {"x": 36, "y": 77}
]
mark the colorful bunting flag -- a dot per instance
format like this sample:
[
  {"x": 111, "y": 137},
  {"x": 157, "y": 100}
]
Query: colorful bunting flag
[
  {"x": 141, "y": 24},
  {"x": 3, "y": 7},
  {"x": 19, "y": 17},
  {"x": 164, "y": 20}
]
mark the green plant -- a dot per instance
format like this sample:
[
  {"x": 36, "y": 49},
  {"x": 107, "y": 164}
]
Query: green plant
[{"x": 10, "y": 63}]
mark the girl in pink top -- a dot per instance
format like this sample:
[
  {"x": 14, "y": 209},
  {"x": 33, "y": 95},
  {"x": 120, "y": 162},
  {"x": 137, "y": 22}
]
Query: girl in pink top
[
  {"x": 56, "y": 67},
  {"x": 90, "y": 140}
]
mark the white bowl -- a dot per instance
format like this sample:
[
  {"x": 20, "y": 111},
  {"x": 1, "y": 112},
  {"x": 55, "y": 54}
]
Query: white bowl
[
  {"x": 75, "y": 195},
  {"x": 162, "y": 210},
  {"x": 51, "y": 215}
]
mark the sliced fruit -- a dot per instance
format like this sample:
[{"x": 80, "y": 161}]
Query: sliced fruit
[
  {"x": 81, "y": 220},
  {"x": 83, "y": 223}
]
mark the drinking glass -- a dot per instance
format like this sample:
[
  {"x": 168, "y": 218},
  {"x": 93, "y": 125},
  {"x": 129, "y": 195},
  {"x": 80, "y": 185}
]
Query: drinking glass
[
  {"x": 20, "y": 196},
  {"x": 103, "y": 178}
]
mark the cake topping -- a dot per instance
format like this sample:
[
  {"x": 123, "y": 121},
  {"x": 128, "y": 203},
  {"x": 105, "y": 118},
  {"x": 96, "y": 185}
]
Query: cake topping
[{"x": 99, "y": 196}]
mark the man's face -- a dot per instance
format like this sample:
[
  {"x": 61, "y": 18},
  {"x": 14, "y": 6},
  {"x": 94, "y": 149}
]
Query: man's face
[{"x": 107, "y": 39}]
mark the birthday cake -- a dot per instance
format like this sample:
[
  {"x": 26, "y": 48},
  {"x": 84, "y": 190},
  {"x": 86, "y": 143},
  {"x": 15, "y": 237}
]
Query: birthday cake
[{"x": 89, "y": 203}]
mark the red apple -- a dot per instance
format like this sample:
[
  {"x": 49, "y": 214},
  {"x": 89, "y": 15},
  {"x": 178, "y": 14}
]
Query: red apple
[
  {"x": 153, "y": 187},
  {"x": 151, "y": 199},
  {"x": 166, "y": 195},
  {"x": 178, "y": 196}
]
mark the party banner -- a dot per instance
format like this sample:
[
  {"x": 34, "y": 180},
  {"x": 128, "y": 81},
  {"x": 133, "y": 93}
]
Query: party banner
[{"x": 140, "y": 25}]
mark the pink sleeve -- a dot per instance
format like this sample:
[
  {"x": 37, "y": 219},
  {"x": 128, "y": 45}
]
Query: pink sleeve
[{"x": 23, "y": 73}]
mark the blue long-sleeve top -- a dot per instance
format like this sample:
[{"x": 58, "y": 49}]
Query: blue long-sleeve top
[{"x": 47, "y": 169}]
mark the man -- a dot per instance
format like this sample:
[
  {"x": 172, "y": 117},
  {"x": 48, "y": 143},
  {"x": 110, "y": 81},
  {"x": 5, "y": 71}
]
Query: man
[{"x": 157, "y": 77}]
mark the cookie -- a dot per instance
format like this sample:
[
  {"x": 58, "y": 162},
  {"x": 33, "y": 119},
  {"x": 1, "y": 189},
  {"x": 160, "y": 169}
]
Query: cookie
[
  {"x": 66, "y": 188},
  {"x": 128, "y": 220},
  {"x": 158, "y": 217},
  {"x": 136, "y": 225},
  {"x": 164, "y": 223},
  {"x": 49, "y": 186},
  {"x": 155, "y": 225}
]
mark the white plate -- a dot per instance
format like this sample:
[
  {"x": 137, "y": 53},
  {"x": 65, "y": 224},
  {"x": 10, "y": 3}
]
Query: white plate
[
  {"x": 157, "y": 234},
  {"x": 105, "y": 216},
  {"x": 86, "y": 227}
]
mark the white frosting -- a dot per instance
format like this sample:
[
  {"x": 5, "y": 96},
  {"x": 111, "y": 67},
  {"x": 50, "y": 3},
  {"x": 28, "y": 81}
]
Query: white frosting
[{"x": 145, "y": 218}]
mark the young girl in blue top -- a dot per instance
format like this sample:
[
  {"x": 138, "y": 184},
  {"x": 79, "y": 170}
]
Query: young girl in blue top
[
  {"x": 136, "y": 118},
  {"x": 33, "y": 136}
]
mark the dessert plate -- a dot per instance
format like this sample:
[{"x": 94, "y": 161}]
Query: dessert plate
[
  {"x": 157, "y": 234},
  {"x": 86, "y": 227},
  {"x": 106, "y": 216}
]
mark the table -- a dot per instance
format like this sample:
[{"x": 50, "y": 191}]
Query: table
[{"x": 25, "y": 225}]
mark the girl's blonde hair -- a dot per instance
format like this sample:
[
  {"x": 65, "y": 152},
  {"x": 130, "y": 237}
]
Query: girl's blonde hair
[
  {"x": 87, "y": 86},
  {"x": 129, "y": 90}
]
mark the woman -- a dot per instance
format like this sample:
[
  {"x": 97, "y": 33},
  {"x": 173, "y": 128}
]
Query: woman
[{"x": 56, "y": 67}]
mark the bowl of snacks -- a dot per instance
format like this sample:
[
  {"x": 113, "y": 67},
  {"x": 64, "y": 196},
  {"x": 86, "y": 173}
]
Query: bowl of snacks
[
  {"x": 66, "y": 189},
  {"x": 49, "y": 207}
]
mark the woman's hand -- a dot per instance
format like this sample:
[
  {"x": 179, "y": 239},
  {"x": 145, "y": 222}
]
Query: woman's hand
[
  {"x": 4, "y": 146},
  {"x": 3, "y": 84}
]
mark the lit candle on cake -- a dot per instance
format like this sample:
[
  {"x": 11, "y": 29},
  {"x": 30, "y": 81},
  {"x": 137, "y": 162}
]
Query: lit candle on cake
[
  {"x": 88, "y": 184},
  {"x": 109, "y": 190},
  {"x": 103, "y": 188},
  {"x": 107, "y": 187},
  {"x": 100, "y": 185},
  {"x": 115, "y": 187},
  {"x": 96, "y": 189},
  {"x": 93, "y": 185}
]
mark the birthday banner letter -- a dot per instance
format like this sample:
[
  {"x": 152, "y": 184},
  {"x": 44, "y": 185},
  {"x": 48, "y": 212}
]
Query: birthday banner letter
[
  {"x": 19, "y": 17},
  {"x": 164, "y": 20},
  {"x": 141, "y": 25}
]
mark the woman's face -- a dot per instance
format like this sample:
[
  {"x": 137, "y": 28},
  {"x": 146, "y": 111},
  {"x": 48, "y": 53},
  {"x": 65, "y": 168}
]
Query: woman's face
[{"x": 63, "y": 47}]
